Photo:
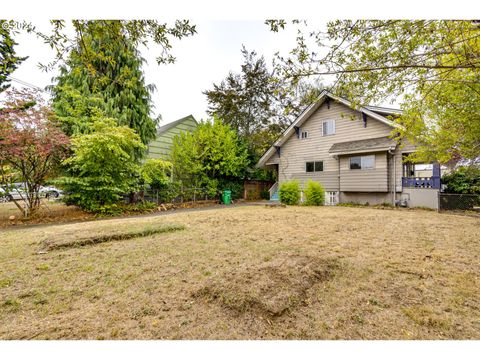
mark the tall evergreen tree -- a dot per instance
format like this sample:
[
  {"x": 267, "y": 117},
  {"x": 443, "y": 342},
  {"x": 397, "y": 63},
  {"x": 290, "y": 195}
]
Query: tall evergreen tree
[
  {"x": 104, "y": 72},
  {"x": 8, "y": 60}
]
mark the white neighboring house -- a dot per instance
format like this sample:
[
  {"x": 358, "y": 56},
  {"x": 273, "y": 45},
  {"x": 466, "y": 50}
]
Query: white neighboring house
[{"x": 351, "y": 153}]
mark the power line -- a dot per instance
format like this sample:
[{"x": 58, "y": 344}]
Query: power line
[{"x": 24, "y": 83}]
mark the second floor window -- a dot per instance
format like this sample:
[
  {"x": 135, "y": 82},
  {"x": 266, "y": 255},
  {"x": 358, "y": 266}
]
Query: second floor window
[
  {"x": 362, "y": 162},
  {"x": 304, "y": 135},
  {"x": 328, "y": 127},
  {"x": 314, "y": 166}
]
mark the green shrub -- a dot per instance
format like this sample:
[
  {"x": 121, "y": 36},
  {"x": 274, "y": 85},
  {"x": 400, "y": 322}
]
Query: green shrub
[
  {"x": 464, "y": 180},
  {"x": 289, "y": 192},
  {"x": 103, "y": 167},
  {"x": 157, "y": 173},
  {"x": 314, "y": 194},
  {"x": 265, "y": 194},
  {"x": 234, "y": 185}
]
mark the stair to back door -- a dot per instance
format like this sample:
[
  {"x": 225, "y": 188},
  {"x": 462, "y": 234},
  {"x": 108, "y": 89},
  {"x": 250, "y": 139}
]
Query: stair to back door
[{"x": 274, "y": 196}]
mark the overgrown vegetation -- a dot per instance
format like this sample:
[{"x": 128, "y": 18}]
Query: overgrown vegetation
[
  {"x": 463, "y": 180},
  {"x": 102, "y": 168},
  {"x": 289, "y": 192},
  {"x": 314, "y": 193},
  {"x": 209, "y": 157}
]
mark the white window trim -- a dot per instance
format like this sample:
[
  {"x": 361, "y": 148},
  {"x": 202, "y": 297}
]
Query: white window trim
[
  {"x": 301, "y": 135},
  {"x": 334, "y": 127},
  {"x": 361, "y": 162}
]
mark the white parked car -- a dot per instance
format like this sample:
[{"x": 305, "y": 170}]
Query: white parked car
[
  {"x": 50, "y": 192},
  {"x": 15, "y": 193}
]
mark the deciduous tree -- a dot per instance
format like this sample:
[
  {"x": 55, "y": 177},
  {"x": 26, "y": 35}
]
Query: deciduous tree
[
  {"x": 208, "y": 155},
  {"x": 29, "y": 143},
  {"x": 103, "y": 167},
  {"x": 256, "y": 104},
  {"x": 430, "y": 67}
]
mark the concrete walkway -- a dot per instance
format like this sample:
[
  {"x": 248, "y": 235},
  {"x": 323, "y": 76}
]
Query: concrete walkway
[{"x": 155, "y": 214}]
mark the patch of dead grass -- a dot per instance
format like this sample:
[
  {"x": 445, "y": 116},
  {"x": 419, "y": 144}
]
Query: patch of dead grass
[
  {"x": 112, "y": 235},
  {"x": 269, "y": 289}
]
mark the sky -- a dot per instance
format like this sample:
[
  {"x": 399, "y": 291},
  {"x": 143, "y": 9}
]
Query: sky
[{"x": 203, "y": 59}]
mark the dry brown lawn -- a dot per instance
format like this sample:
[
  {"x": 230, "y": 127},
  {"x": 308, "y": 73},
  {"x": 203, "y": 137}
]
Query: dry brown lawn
[
  {"x": 247, "y": 273},
  {"x": 53, "y": 211}
]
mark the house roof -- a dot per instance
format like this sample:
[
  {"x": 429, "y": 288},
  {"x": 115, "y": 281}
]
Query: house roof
[
  {"x": 168, "y": 126},
  {"x": 362, "y": 146},
  {"x": 305, "y": 114},
  {"x": 384, "y": 111}
]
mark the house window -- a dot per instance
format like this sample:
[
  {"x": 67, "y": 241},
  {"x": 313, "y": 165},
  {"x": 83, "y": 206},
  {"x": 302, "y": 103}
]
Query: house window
[
  {"x": 362, "y": 162},
  {"x": 314, "y": 166},
  {"x": 331, "y": 197},
  {"x": 328, "y": 127},
  {"x": 304, "y": 135}
]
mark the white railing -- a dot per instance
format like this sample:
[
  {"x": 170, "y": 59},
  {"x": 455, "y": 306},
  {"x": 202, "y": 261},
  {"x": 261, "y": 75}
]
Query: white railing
[{"x": 273, "y": 189}]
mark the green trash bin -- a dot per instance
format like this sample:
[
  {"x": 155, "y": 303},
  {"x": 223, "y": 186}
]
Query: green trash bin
[{"x": 227, "y": 197}]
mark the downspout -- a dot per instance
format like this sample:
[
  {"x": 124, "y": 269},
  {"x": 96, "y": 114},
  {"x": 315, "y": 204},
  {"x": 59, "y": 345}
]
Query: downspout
[
  {"x": 394, "y": 189},
  {"x": 339, "y": 179}
]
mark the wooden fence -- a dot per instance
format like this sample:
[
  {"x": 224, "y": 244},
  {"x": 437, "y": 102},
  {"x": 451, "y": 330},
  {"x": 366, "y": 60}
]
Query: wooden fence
[{"x": 256, "y": 189}]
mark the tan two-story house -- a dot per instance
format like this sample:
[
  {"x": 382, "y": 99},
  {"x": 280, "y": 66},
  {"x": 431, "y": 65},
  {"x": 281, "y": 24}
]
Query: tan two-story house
[{"x": 351, "y": 153}]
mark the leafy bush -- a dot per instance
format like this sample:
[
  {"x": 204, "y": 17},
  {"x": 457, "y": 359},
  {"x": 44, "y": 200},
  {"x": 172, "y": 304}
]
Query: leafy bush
[
  {"x": 157, "y": 173},
  {"x": 235, "y": 186},
  {"x": 464, "y": 180},
  {"x": 265, "y": 194},
  {"x": 102, "y": 168},
  {"x": 289, "y": 192},
  {"x": 314, "y": 193},
  {"x": 211, "y": 157}
]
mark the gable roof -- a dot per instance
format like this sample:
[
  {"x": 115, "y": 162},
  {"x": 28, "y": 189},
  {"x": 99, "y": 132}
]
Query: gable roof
[
  {"x": 168, "y": 126},
  {"x": 305, "y": 114}
]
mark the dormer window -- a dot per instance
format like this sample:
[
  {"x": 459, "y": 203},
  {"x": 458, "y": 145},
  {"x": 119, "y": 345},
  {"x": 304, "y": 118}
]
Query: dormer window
[{"x": 304, "y": 135}]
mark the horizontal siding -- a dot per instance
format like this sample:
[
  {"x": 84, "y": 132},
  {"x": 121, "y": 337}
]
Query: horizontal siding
[
  {"x": 364, "y": 180},
  {"x": 329, "y": 179},
  {"x": 348, "y": 127},
  {"x": 161, "y": 146}
]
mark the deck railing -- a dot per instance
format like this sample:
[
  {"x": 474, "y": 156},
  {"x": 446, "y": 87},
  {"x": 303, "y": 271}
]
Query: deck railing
[
  {"x": 432, "y": 182},
  {"x": 273, "y": 190}
]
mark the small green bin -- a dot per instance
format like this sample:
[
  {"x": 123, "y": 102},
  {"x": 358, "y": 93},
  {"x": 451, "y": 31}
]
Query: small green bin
[{"x": 227, "y": 197}]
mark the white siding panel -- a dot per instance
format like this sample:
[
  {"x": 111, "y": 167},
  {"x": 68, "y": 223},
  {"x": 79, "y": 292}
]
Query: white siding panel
[{"x": 348, "y": 127}]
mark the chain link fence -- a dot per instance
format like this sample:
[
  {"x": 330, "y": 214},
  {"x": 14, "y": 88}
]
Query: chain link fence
[
  {"x": 179, "y": 196},
  {"x": 458, "y": 202}
]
